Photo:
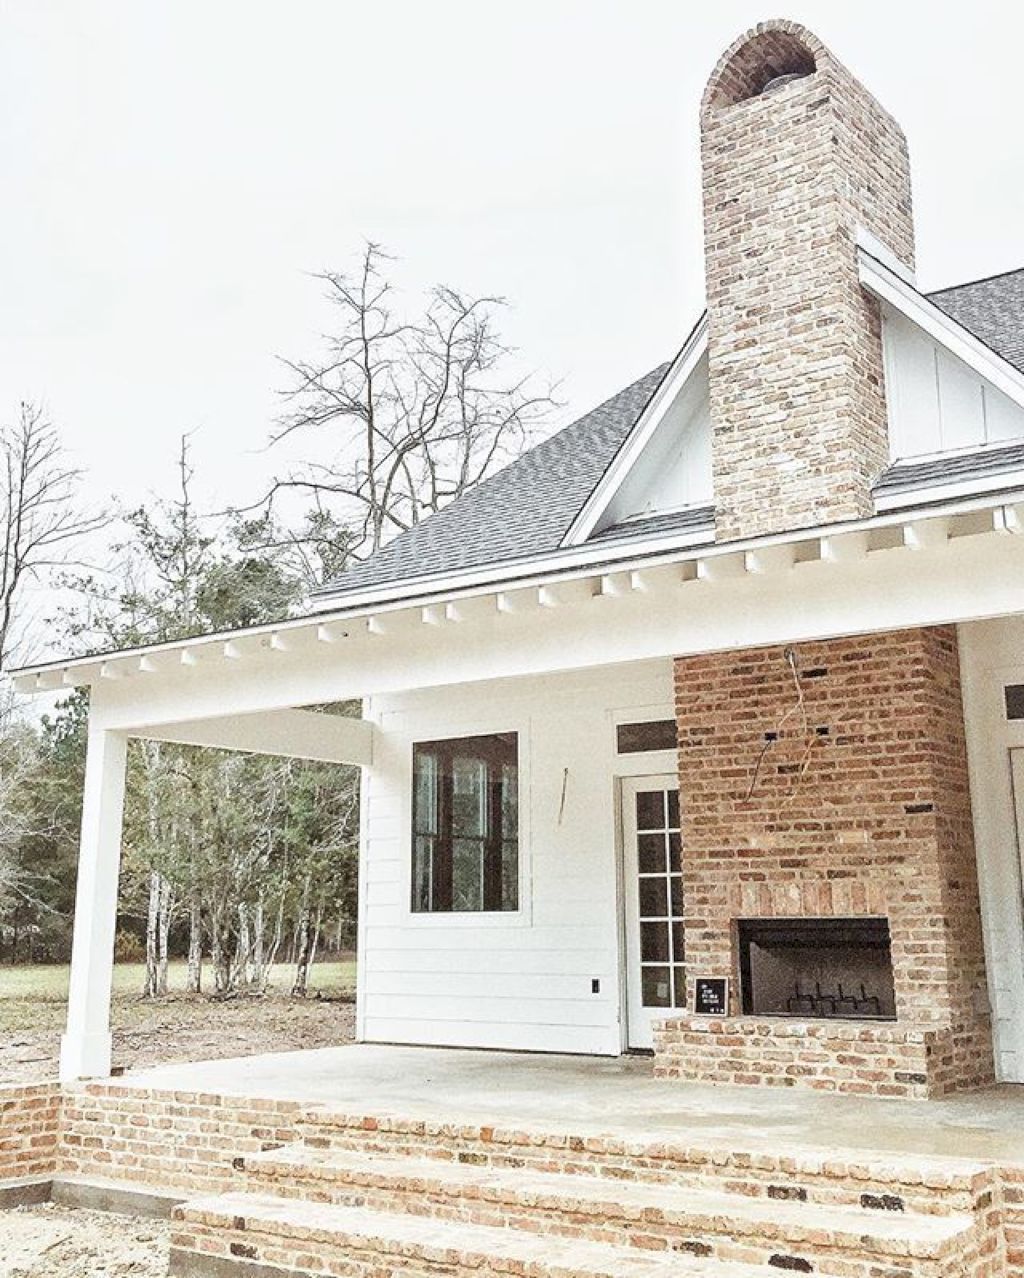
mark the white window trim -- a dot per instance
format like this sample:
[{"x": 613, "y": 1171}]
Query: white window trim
[{"x": 433, "y": 729}]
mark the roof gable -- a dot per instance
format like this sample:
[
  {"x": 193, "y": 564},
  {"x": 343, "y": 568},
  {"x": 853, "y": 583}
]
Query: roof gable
[
  {"x": 531, "y": 507},
  {"x": 947, "y": 389},
  {"x": 664, "y": 465},
  {"x": 523, "y": 510}
]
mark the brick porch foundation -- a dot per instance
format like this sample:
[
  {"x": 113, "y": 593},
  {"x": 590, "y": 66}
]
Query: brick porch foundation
[{"x": 830, "y": 781}]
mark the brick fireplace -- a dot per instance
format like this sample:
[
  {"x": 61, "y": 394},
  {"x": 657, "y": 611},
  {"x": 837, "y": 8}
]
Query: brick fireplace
[{"x": 826, "y": 816}]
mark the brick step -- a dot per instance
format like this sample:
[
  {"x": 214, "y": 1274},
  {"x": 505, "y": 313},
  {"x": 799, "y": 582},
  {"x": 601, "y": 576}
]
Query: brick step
[
  {"x": 653, "y": 1216},
  {"x": 920, "y": 1183},
  {"x": 267, "y": 1235}
]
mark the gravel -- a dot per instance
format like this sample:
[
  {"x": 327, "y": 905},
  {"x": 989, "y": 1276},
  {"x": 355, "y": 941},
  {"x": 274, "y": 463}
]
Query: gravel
[{"x": 67, "y": 1242}]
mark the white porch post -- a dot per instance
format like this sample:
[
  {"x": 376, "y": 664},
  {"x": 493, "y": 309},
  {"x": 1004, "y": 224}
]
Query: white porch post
[{"x": 85, "y": 1047}]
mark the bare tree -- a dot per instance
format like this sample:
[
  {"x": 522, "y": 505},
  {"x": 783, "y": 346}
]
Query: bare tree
[
  {"x": 38, "y": 507},
  {"x": 411, "y": 413}
]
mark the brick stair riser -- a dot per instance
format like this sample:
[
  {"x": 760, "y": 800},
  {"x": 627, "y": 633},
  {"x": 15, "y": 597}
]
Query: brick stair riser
[
  {"x": 783, "y": 1177},
  {"x": 307, "y": 1251},
  {"x": 828, "y": 1254}
]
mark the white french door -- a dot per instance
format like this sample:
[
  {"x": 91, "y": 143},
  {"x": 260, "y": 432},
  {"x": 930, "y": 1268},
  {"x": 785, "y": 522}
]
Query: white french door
[{"x": 653, "y": 904}]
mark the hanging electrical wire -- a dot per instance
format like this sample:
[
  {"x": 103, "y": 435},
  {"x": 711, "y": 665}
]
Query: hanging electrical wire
[{"x": 799, "y": 707}]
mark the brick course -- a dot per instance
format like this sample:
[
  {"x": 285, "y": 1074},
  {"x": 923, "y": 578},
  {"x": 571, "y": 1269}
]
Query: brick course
[
  {"x": 860, "y": 808},
  {"x": 29, "y": 1130},
  {"x": 173, "y": 1139},
  {"x": 797, "y": 396}
]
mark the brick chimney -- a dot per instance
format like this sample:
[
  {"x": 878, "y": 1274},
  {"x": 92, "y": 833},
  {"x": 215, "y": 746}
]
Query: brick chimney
[{"x": 797, "y": 156}]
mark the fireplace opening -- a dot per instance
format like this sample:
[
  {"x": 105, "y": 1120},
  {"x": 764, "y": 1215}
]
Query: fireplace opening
[{"x": 813, "y": 969}]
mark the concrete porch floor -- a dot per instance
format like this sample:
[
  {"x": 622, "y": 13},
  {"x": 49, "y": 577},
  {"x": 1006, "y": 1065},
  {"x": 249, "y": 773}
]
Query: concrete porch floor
[{"x": 603, "y": 1096}]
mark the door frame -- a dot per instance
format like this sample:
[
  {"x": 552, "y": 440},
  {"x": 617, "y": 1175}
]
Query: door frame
[{"x": 663, "y": 778}]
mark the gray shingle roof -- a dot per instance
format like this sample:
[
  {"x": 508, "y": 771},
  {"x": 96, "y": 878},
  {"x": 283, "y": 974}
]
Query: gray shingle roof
[
  {"x": 526, "y": 509},
  {"x": 991, "y": 309},
  {"x": 695, "y": 520},
  {"x": 911, "y": 476}
]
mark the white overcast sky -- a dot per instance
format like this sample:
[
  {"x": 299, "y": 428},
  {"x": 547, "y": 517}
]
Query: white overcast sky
[{"x": 172, "y": 172}]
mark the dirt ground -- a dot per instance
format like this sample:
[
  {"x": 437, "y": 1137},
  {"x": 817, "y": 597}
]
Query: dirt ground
[
  {"x": 62, "y": 1242},
  {"x": 184, "y": 1029},
  {"x": 65, "y": 1242},
  {"x": 179, "y": 1027}
]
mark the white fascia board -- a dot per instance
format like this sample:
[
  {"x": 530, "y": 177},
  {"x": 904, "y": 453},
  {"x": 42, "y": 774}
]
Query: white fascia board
[
  {"x": 646, "y": 424},
  {"x": 887, "y": 286},
  {"x": 874, "y": 247},
  {"x": 636, "y": 557}
]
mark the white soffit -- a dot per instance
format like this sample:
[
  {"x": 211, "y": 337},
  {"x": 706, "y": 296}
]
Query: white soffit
[{"x": 683, "y": 368}]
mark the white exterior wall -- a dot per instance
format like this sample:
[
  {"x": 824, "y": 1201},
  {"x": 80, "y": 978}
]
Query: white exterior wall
[
  {"x": 518, "y": 980},
  {"x": 992, "y": 656}
]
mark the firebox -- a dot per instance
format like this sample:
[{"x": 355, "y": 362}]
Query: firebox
[{"x": 812, "y": 968}]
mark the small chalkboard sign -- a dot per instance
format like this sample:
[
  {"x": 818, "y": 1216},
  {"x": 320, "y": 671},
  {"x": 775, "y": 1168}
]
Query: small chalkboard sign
[{"x": 711, "y": 996}]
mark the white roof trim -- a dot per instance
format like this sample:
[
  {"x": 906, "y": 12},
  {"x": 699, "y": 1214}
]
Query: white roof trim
[
  {"x": 886, "y": 285},
  {"x": 639, "y": 436},
  {"x": 874, "y": 247},
  {"x": 708, "y": 562}
]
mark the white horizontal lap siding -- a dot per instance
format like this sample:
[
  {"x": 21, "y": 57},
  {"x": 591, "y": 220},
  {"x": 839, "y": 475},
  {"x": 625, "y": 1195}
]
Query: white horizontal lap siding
[{"x": 520, "y": 981}]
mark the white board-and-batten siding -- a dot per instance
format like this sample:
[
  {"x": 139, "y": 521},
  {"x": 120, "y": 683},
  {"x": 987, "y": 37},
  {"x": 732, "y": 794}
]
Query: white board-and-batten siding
[
  {"x": 519, "y": 980},
  {"x": 936, "y": 402}
]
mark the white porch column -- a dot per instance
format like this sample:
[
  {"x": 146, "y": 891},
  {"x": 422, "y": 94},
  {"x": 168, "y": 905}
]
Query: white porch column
[{"x": 85, "y": 1047}]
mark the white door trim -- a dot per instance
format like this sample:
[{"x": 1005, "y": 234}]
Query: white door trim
[{"x": 637, "y": 1019}]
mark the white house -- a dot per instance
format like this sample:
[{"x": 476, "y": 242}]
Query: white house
[{"x": 725, "y": 681}]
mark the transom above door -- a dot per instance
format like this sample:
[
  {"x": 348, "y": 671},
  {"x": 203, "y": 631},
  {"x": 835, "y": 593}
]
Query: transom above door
[{"x": 655, "y": 978}]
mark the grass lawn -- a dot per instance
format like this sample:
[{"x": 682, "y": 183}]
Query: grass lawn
[{"x": 48, "y": 983}]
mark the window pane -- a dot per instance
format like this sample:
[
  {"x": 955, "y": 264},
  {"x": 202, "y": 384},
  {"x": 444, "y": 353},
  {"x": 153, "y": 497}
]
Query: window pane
[
  {"x": 653, "y": 898},
  {"x": 654, "y": 943},
  {"x": 678, "y": 947},
  {"x": 675, "y": 858},
  {"x": 637, "y": 738},
  {"x": 650, "y": 810},
  {"x": 651, "y": 851},
  {"x": 509, "y": 801},
  {"x": 465, "y": 824},
  {"x": 677, "y": 896},
  {"x": 510, "y": 875},
  {"x": 422, "y": 858},
  {"x": 673, "y": 809},
  {"x": 425, "y": 798},
  {"x": 656, "y": 987},
  {"x": 467, "y": 874},
  {"x": 679, "y": 980},
  {"x": 1015, "y": 701},
  {"x": 469, "y": 797}
]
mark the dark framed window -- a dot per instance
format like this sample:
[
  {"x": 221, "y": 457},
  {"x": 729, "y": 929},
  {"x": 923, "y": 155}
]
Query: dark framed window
[
  {"x": 465, "y": 824},
  {"x": 653, "y": 734},
  {"x": 1014, "y": 693}
]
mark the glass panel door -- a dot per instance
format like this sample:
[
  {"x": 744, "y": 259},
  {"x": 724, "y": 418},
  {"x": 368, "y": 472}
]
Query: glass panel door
[{"x": 653, "y": 900}]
